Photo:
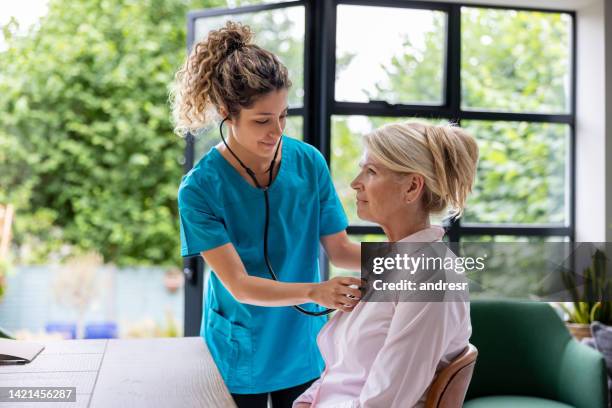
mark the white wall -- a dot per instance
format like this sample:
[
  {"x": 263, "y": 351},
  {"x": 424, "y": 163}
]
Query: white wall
[
  {"x": 593, "y": 180},
  {"x": 608, "y": 131}
]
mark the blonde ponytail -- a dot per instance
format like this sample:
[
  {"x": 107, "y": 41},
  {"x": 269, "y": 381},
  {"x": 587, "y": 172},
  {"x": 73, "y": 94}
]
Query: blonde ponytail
[{"x": 446, "y": 157}]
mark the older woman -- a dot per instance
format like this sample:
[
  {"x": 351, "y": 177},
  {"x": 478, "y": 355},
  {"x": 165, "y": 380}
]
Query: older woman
[{"x": 386, "y": 354}]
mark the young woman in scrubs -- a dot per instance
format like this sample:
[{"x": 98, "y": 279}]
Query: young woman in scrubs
[{"x": 262, "y": 347}]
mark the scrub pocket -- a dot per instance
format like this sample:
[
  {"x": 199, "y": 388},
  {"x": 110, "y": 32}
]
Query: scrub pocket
[{"x": 231, "y": 346}]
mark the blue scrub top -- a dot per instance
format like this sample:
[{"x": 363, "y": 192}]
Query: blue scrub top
[{"x": 261, "y": 349}]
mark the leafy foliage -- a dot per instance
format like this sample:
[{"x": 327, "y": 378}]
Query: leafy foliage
[
  {"x": 590, "y": 290},
  {"x": 87, "y": 150}
]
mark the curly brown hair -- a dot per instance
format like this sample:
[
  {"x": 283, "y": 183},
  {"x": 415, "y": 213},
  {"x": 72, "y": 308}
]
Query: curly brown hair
[{"x": 224, "y": 70}]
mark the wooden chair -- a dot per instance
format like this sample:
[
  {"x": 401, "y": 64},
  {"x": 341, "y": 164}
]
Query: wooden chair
[
  {"x": 6, "y": 220},
  {"x": 450, "y": 386}
]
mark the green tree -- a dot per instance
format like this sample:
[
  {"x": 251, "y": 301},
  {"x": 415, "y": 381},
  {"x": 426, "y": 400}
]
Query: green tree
[
  {"x": 87, "y": 152},
  {"x": 514, "y": 61}
]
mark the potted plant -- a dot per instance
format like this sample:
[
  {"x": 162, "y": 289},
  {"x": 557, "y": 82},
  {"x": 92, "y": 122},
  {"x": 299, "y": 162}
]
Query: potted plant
[
  {"x": 582, "y": 314},
  {"x": 589, "y": 305}
]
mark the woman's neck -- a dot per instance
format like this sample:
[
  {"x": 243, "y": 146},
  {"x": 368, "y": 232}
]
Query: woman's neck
[{"x": 406, "y": 225}]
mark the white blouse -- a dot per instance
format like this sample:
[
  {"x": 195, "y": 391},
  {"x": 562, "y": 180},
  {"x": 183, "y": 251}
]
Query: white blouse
[{"x": 386, "y": 354}]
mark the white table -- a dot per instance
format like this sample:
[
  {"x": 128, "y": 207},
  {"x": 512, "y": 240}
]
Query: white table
[{"x": 158, "y": 372}]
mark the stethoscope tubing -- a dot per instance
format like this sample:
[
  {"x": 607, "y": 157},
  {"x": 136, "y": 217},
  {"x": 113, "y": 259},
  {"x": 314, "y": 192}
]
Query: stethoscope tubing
[{"x": 267, "y": 221}]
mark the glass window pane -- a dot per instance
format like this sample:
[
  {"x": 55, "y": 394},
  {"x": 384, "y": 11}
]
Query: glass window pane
[
  {"x": 334, "y": 271},
  {"x": 280, "y": 31},
  {"x": 512, "y": 238},
  {"x": 399, "y": 58},
  {"x": 295, "y": 127},
  {"x": 516, "y": 267},
  {"x": 346, "y": 151},
  {"x": 516, "y": 61},
  {"x": 205, "y": 140},
  {"x": 522, "y": 173},
  {"x": 209, "y": 137},
  {"x": 86, "y": 299}
]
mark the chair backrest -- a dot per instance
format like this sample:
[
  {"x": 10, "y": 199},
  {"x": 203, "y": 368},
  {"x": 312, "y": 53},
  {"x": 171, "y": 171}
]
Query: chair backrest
[
  {"x": 524, "y": 349},
  {"x": 450, "y": 386},
  {"x": 519, "y": 344}
]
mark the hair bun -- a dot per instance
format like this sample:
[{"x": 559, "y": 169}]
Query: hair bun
[
  {"x": 215, "y": 77},
  {"x": 231, "y": 37},
  {"x": 234, "y": 47}
]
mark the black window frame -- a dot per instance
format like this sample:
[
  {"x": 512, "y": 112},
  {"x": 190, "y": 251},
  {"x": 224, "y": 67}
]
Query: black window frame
[{"x": 319, "y": 105}]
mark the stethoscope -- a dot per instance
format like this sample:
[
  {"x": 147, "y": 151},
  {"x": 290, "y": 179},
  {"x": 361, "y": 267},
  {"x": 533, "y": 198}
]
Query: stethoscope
[{"x": 267, "y": 223}]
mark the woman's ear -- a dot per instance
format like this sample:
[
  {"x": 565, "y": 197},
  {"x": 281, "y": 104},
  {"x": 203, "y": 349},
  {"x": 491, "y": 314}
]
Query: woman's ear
[
  {"x": 414, "y": 185},
  {"x": 224, "y": 114}
]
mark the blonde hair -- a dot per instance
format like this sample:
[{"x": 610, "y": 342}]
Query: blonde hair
[
  {"x": 224, "y": 70},
  {"x": 446, "y": 156}
]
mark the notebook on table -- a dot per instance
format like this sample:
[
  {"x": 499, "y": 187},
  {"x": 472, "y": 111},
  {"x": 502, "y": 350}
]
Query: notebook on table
[{"x": 18, "y": 351}]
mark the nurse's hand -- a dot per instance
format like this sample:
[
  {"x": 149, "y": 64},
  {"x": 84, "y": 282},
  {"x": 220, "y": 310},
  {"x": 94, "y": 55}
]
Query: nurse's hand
[
  {"x": 335, "y": 293},
  {"x": 302, "y": 405}
]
